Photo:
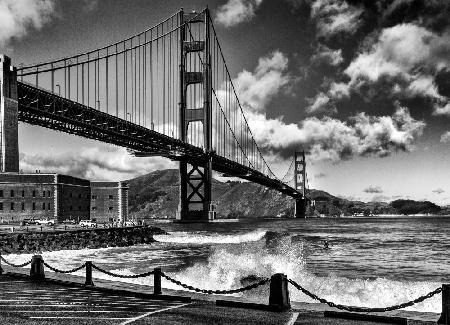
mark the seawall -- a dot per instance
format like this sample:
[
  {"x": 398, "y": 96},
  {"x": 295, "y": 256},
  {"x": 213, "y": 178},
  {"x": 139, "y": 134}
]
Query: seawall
[{"x": 37, "y": 242}]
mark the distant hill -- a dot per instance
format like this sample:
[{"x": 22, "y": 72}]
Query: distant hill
[{"x": 156, "y": 195}]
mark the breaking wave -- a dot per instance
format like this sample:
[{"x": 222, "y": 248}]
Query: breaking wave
[
  {"x": 210, "y": 238},
  {"x": 243, "y": 259}
]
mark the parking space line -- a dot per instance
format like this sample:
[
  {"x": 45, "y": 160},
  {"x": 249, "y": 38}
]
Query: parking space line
[
  {"x": 131, "y": 320},
  {"x": 75, "y": 317}
]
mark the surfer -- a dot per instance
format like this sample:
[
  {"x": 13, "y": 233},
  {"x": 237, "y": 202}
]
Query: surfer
[{"x": 326, "y": 245}]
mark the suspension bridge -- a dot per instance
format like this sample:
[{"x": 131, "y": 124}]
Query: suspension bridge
[{"x": 166, "y": 92}]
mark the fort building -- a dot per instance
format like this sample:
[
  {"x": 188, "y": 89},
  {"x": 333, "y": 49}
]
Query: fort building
[{"x": 61, "y": 197}]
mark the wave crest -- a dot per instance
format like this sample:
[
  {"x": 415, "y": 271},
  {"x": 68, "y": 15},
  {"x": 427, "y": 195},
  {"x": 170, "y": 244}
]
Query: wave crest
[{"x": 210, "y": 238}]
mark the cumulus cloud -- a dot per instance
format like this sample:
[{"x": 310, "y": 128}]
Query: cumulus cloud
[
  {"x": 325, "y": 55},
  {"x": 236, "y": 11},
  {"x": 17, "y": 16},
  {"x": 94, "y": 164},
  {"x": 406, "y": 57},
  {"x": 373, "y": 189},
  {"x": 335, "y": 17},
  {"x": 445, "y": 137},
  {"x": 438, "y": 191},
  {"x": 321, "y": 104},
  {"x": 403, "y": 62},
  {"x": 334, "y": 140},
  {"x": 256, "y": 89}
]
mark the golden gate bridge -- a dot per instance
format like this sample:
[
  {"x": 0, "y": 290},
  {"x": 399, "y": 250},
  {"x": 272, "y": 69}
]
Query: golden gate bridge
[{"x": 166, "y": 92}]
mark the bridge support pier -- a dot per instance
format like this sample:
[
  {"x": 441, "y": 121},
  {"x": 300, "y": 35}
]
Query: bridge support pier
[
  {"x": 195, "y": 178},
  {"x": 300, "y": 208},
  {"x": 9, "y": 108}
]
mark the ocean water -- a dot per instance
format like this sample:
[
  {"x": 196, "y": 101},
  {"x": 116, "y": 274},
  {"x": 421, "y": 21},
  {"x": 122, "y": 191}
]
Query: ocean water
[{"x": 372, "y": 262}]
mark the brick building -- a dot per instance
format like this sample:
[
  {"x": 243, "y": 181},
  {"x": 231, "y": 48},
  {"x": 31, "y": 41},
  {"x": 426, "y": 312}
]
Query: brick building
[
  {"x": 61, "y": 197},
  {"x": 109, "y": 201}
]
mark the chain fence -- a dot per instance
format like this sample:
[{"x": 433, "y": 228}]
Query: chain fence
[
  {"x": 142, "y": 275},
  {"x": 14, "y": 265},
  {"x": 66, "y": 271},
  {"x": 365, "y": 309},
  {"x": 210, "y": 292}
]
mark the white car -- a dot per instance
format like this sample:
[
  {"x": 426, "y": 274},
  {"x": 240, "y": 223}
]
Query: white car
[
  {"x": 129, "y": 224},
  {"x": 45, "y": 222},
  {"x": 87, "y": 223}
]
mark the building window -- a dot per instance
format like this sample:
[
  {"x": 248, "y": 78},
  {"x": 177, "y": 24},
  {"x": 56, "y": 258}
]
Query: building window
[
  {"x": 12, "y": 193},
  {"x": 71, "y": 208},
  {"x": 23, "y": 206},
  {"x": 1, "y": 205},
  {"x": 79, "y": 208},
  {"x": 94, "y": 197},
  {"x": 43, "y": 206},
  {"x": 79, "y": 196},
  {"x": 111, "y": 197},
  {"x": 43, "y": 194},
  {"x": 23, "y": 193},
  {"x": 49, "y": 194},
  {"x": 111, "y": 208},
  {"x": 12, "y": 206},
  {"x": 1, "y": 193},
  {"x": 34, "y": 205},
  {"x": 48, "y": 206},
  {"x": 94, "y": 208},
  {"x": 34, "y": 193},
  {"x": 70, "y": 195}
]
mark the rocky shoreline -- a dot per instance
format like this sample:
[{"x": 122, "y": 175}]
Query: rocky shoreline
[{"x": 37, "y": 242}]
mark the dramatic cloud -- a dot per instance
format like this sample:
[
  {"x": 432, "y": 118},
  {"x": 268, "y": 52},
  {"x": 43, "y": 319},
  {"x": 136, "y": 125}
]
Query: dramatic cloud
[
  {"x": 334, "y": 140},
  {"x": 94, "y": 164},
  {"x": 321, "y": 104},
  {"x": 438, "y": 191},
  {"x": 236, "y": 11},
  {"x": 405, "y": 57},
  {"x": 335, "y": 17},
  {"x": 373, "y": 189},
  {"x": 256, "y": 89},
  {"x": 325, "y": 55},
  {"x": 17, "y": 16},
  {"x": 445, "y": 137}
]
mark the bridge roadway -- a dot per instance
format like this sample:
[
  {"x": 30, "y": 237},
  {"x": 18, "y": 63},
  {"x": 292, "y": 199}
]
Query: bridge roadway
[{"x": 40, "y": 107}]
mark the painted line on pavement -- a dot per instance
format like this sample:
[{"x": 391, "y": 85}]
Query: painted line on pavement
[
  {"x": 293, "y": 319},
  {"x": 75, "y": 317},
  {"x": 131, "y": 320}
]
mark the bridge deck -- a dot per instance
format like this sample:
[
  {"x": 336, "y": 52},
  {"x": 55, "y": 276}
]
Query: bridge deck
[{"x": 43, "y": 108}]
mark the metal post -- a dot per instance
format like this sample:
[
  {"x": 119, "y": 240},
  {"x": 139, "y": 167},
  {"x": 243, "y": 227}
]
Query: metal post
[
  {"x": 445, "y": 315},
  {"x": 37, "y": 268},
  {"x": 279, "y": 293},
  {"x": 89, "y": 281},
  {"x": 157, "y": 281},
  {"x": 1, "y": 270}
]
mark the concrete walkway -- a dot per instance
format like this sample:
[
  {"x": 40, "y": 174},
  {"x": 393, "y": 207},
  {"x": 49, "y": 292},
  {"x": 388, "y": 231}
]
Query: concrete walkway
[{"x": 63, "y": 300}]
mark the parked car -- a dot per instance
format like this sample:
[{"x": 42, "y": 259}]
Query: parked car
[
  {"x": 87, "y": 223},
  {"x": 69, "y": 221},
  {"x": 129, "y": 224},
  {"x": 45, "y": 222},
  {"x": 27, "y": 222}
]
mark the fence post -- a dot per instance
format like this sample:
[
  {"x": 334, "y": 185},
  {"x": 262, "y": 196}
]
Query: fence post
[
  {"x": 279, "y": 293},
  {"x": 89, "y": 281},
  {"x": 445, "y": 315},
  {"x": 37, "y": 268},
  {"x": 157, "y": 281}
]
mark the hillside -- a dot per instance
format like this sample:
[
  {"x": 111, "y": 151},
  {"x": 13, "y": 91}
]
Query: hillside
[{"x": 156, "y": 195}]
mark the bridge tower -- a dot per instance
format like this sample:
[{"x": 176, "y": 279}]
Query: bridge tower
[
  {"x": 9, "y": 106},
  {"x": 195, "y": 178},
  {"x": 300, "y": 180}
]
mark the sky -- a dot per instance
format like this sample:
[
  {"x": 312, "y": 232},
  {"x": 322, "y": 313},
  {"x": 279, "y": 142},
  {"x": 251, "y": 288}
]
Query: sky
[{"x": 362, "y": 86}]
